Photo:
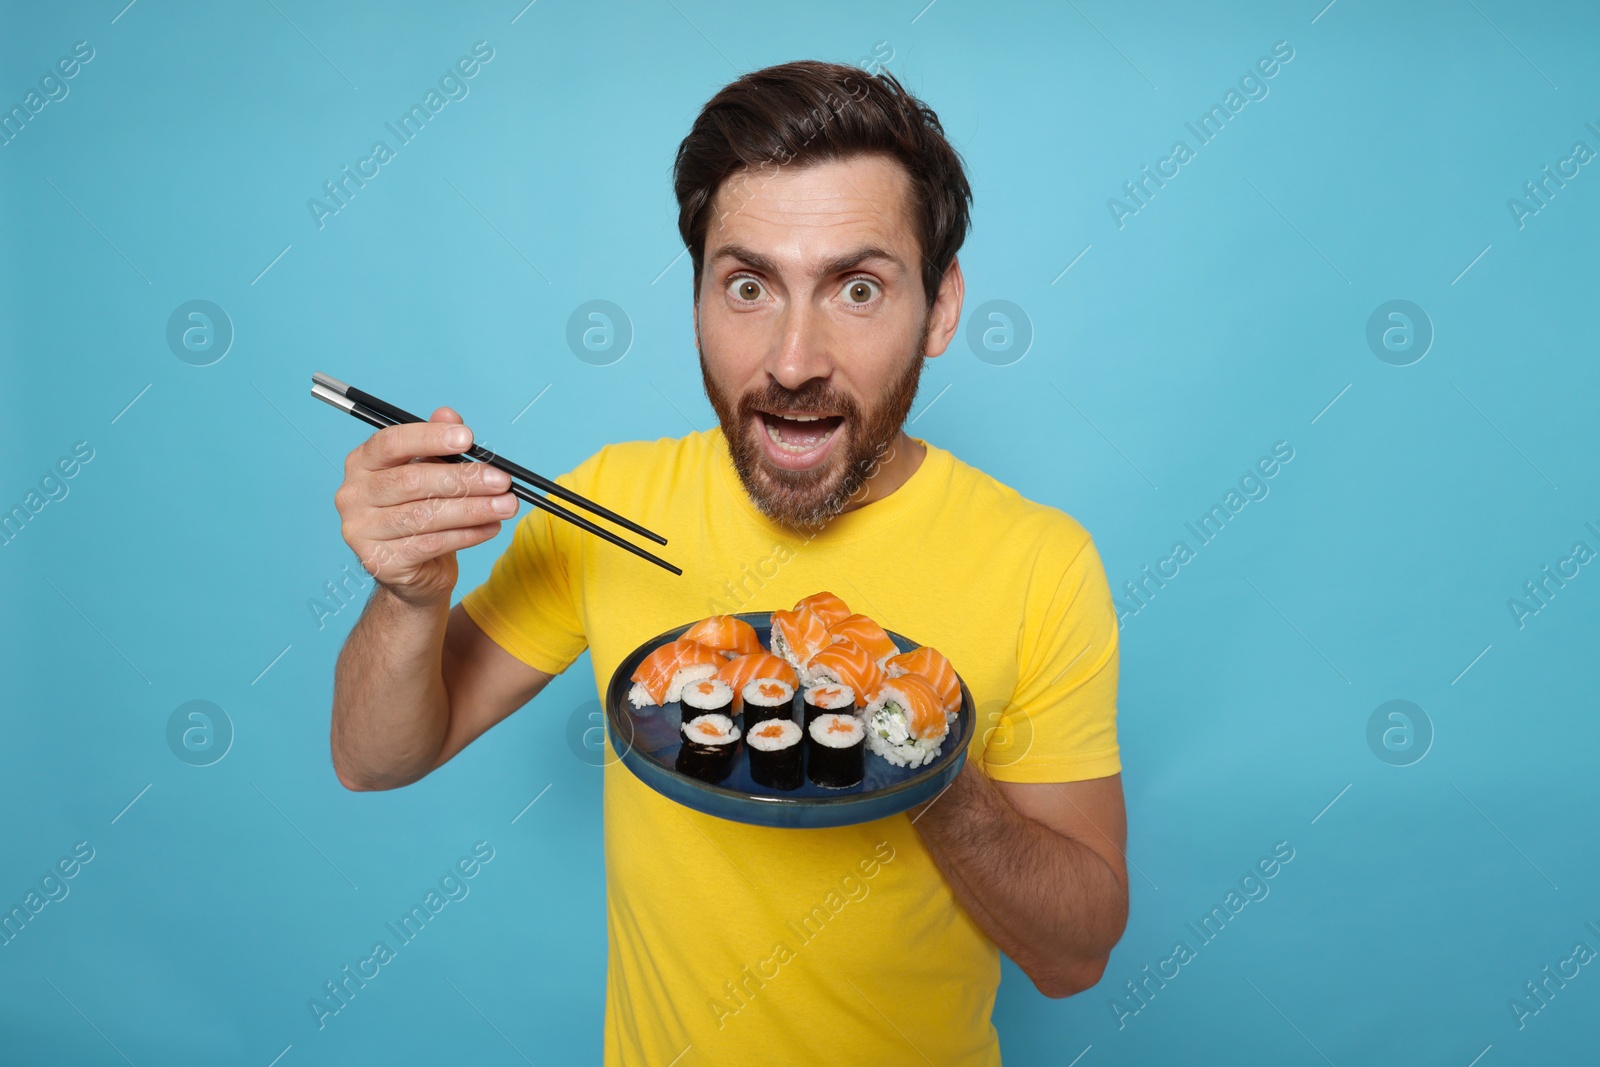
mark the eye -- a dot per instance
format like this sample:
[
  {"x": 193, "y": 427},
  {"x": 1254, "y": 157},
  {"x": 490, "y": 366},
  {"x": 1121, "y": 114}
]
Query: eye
[
  {"x": 860, "y": 291},
  {"x": 746, "y": 289}
]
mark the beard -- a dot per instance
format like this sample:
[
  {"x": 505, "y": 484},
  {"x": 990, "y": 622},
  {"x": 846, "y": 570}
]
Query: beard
[{"x": 809, "y": 499}]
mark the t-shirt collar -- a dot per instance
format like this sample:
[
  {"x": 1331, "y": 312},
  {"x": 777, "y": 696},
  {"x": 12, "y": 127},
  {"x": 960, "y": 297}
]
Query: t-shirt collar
[{"x": 917, "y": 490}]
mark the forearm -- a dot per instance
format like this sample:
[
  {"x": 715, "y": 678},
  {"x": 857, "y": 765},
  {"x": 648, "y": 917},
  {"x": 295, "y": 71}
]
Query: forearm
[
  {"x": 1049, "y": 902},
  {"x": 391, "y": 710}
]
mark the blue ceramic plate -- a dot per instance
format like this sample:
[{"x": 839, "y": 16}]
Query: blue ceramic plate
[{"x": 647, "y": 742}]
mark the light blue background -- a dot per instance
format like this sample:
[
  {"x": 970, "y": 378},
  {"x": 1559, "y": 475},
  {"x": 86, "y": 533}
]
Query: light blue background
[{"x": 1223, "y": 317}]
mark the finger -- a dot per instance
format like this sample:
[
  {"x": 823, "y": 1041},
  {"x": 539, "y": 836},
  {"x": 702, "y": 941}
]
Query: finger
[
  {"x": 394, "y": 445},
  {"x": 445, "y": 415},
  {"x": 387, "y": 560},
  {"x": 438, "y": 514},
  {"x": 423, "y": 481}
]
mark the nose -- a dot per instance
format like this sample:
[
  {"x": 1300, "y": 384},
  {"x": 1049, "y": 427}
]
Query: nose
[{"x": 802, "y": 350}]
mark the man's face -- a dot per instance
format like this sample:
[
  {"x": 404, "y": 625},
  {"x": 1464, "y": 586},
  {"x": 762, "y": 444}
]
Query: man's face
[{"x": 812, "y": 325}]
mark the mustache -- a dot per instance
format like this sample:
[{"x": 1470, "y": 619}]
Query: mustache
[{"x": 814, "y": 395}]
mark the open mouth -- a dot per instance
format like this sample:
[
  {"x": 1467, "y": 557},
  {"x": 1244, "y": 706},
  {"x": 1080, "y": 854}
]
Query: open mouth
[{"x": 799, "y": 439}]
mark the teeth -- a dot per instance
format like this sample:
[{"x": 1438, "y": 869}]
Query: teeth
[{"x": 798, "y": 450}]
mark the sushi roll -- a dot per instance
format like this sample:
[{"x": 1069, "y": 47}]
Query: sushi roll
[
  {"x": 935, "y": 669},
  {"x": 906, "y": 724},
  {"x": 846, "y": 663},
  {"x": 821, "y": 699},
  {"x": 837, "y": 750},
  {"x": 710, "y": 746},
  {"x": 740, "y": 672},
  {"x": 728, "y": 635},
  {"x": 707, "y": 696},
  {"x": 661, "y": 676},
  {"x": 797, "y": 636},
  {"x": 866, "y": 633},
  {"x": 775, "y": 754},
  {"x": 829, "y": 608},
  {"x": 767, "y": 698}
]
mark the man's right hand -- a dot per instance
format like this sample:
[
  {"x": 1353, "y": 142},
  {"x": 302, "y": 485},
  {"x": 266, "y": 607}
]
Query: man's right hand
[{"x": 405, "y": 514}]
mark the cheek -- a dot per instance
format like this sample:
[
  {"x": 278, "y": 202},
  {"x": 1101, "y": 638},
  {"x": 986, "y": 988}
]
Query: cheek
[
  {"x": 733, "y": 347},
  {"x": 869, "y": 364}
]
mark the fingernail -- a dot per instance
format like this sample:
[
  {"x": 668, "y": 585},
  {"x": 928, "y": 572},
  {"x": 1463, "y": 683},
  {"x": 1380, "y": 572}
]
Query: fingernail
[
  {"x": 458, "y": 437},
  {"x": 504, "y": 505}
]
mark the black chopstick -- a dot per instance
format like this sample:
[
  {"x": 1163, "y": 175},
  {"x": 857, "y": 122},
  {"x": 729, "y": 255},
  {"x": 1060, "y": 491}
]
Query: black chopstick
[
  {"x": 483, "y": 455},
  {"x": 382, "y": 420}
]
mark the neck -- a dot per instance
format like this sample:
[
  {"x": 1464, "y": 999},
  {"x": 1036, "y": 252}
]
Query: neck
[{"x": 899, "y": 463}]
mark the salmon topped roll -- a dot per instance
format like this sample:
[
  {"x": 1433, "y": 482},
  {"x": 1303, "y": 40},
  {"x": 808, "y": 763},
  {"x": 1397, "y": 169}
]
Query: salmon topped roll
[
  {"x": 662, "y": 674},
  {"x": 799, "y": 635},
  {"x": 728, "y": 635},
  {"x": 742, "y": 670},
  {"x": 935, "y": 669},
  {"x": 866, "y": 633},
  {"x": 846, "y": 663},
  {"x": 906, "y": 724},
  {"x": 829, "y": 608}
]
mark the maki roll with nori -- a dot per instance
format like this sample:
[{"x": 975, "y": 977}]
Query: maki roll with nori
[
  {"x": 710, "y": 746},
  {"x": 827, "y": 697},
  {"x": 743, "y": 670},
  {"x": 767, "y": 698},
  {"x": 707, "y": 696},
  {"x": 775, "y": 753},
  {"x": 837, "y": 748}
]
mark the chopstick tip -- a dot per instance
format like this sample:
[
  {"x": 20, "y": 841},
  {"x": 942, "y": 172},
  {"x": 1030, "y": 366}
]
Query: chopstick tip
[{"x": 330, "y": 382}]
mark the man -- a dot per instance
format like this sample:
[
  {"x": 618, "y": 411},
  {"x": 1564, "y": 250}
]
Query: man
[{"x": 823, "y": 210}]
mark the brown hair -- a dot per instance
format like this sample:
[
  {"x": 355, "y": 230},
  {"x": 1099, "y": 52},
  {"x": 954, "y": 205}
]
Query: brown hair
[{"x": 813, "y": 112}]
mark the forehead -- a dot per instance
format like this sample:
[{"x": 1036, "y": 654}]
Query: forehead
[{"x": 798, "y": 215}]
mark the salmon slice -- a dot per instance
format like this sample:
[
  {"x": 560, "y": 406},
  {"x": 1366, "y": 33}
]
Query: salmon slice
[
  {"x": 728, "y": 635},
  {"x": 658, "y": 674},
  {"x": 934, "y": 669},
  {"x": 742, "y": 670},
  {"x": 829, "y": 608},
  {"x": 925, "y": 717},
  {"x": 866, "y": 633},
  {"x": 848, "y": 664},
  {"x": 799, "y": 635}
]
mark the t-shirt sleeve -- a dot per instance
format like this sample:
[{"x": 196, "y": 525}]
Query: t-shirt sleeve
[
  {"x": 1061, "y": 723},
  {"x": 528, "y": 605}
]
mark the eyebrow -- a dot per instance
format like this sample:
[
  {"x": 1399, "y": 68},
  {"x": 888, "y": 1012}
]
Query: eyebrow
[{"x": 837, "y": 265}]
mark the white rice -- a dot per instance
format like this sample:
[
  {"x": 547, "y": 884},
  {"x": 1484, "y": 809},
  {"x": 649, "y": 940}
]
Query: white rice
[
  {"x": 726, "y": 733},
  {"x": 823, "y": 735},
  {"x": 639, "y": 697},
  {"x": 788, "y": 735},
  {"x": 812, "y": 675},
  {"x": 752, "y": 693},
  {"x": 718, "y": 699},
  {"x": 781, "y": 649},
  {"x": 842, "y": 700},
  {"x": 889, "y": 733}
]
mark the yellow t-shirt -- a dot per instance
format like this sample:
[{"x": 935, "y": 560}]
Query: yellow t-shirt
[{"x": 732, "y": 944}]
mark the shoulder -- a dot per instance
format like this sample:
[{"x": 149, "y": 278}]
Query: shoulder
[{"x": 987, "y": 502}]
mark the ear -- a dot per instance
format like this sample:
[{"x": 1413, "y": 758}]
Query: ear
[{"x": 944, "y": 318}]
